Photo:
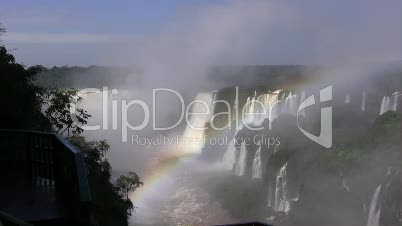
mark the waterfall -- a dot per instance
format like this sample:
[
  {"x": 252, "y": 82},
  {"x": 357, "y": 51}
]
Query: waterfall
[
  {"x": 290, "y": 104},
  {"x": 387, "y": 102},
  {"x": 229, "y": 157},
  {"x": 347, "y": 99},
  {"x": 240, "y": 168},
  {"x": 293, "y": 105},
  {"x": 212, "y": 106},
  {"x": 194, "y": 129},
  {"x": 259, "y": 108},
  {"x": 383, "y": 107},
  {"x": 344, "y": 182},
  {"x": 281, "y": 191},
  {"x": 374, "y": 213},
  {"x": 302, "y": 97},
  {"x": 249, "y": 118},
  {"x": 363, "y": 107},
  {"x": 269, "y": 106},
  {"x": 286, "y": 104},
  {"x": 257, "y": 165},
  {"x": 274, "y": 107},
  {"x": 262, "y": 109},
  {"x": 395, "y": 102}
]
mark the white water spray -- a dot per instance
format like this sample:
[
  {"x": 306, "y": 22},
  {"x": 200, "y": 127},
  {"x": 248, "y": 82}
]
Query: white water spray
[
  {"x": 302, "y": 98},
  {"x": 229, "y": 157},
  {"x": 282, "y": 203},
  {"x": 194, "y": 129},
  {"x": 269, "y": 106},
  {"x": 347, "y": 99},
  {"x": 374, "y": 213},
  {"x": 363, "y": 106},
  {"x": 240, "y": 168},
  {"x": 257, "y": 165},
  {"x": 386, "y": 103},
  {"x": 395, "y": 102}
]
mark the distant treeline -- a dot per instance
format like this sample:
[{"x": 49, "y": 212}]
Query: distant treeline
[
  {"x": 253, "y": 77},
  {"x": 273, "y": 76},
  {"x": 84, "y": 77},
  {"x": 220, "y": 76}
]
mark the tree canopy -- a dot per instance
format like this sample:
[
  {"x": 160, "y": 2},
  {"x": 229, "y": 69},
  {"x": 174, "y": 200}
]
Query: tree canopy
[{"x": 26, "y": 106}]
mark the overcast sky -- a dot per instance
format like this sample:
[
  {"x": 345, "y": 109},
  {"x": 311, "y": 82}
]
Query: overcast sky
[{"x": 73, "y": 32}]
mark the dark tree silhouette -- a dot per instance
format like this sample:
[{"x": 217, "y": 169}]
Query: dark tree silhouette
[
  {"x": 128, "y": 183},
  {"x": 29, "y": 107},
  {"x": 58, "y": 103}
]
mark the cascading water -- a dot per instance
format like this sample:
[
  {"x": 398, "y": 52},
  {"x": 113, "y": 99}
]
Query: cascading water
[
  {"x": 382, "y": 108},
  {"x": 386, "y": 103},
  {"x": 259, "y": 108},
  {"x": 374, "y": 213},
  {"x": 347, "y": 99},
  {"x": 229, "y": 157},
  {"x": 344, "y": 182},
  {"x": 282, "y": 202},
  {"x": 268, "y": 106},
  {"x": 257, "y": 165},
  {"x": 194, "y": 130},
  {"x": 212, "y": 105},
  {"x": 302, "y": 98},
  {"x": 289, "y": 106},
  {"x": 363, "y": 106},
  {"x": 395, "y": 102},
  {"x": 240, "y": 168}
]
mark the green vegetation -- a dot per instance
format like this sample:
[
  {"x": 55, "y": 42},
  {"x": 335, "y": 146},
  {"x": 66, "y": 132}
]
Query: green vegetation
[
  {"x": 111, "y": 200},
  {"x": 83, "y": 77},
  {"x": 128, "y": 184},
  {"x": 30, "y": 107},
  {"x": 58, "y": 103},
  {"x": 388, "y": 126}
]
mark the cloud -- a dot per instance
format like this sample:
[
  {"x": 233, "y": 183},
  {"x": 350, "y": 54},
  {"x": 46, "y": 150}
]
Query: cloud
[
  {"x": 237, "y": 32},
  {"x": 266, "y": 32},
  {"x": 68, "y": 38},
  {"x": 278, "y": 32}
]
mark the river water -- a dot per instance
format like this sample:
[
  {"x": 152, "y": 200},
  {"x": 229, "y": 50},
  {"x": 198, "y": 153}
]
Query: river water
[{"x": 182, "y": 199}]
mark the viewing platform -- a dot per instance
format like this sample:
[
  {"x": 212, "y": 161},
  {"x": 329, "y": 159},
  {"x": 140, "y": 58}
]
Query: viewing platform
[{"x": 43, "y": 180}]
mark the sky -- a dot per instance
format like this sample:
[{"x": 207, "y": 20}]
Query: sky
[{"x": 51, "y": 32}]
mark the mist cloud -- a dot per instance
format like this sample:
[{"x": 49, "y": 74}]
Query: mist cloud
[
  {"x": 234, "y": 32},
  {"x": 269, "y": 32}
]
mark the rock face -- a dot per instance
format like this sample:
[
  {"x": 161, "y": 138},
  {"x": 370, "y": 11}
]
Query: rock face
[{"x": 357, "y": 181}]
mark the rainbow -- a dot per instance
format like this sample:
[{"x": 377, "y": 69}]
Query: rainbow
[
  {"x": 156, "y": 179},
  {"x": 169, "y": 162}
]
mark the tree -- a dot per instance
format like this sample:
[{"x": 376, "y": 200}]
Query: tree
[
  {"x": 24, "y": 101},
  {"x": 2, "y": 29},
  {"x": 104, "y": 147},
  {"x": 112, "y": 207},
  {"x": 58, "y": 103},
  {"x": 21, "y": 98},
  {"x": 128, "y": 183},
  {"x": 29, "y": 107}
]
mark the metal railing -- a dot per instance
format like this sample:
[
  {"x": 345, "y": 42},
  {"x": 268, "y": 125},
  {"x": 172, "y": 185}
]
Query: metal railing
[
  {"x": 8, "y": 220},
  {"x": 42, "y": 170},
  {"x": 246, "y": 224}
]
